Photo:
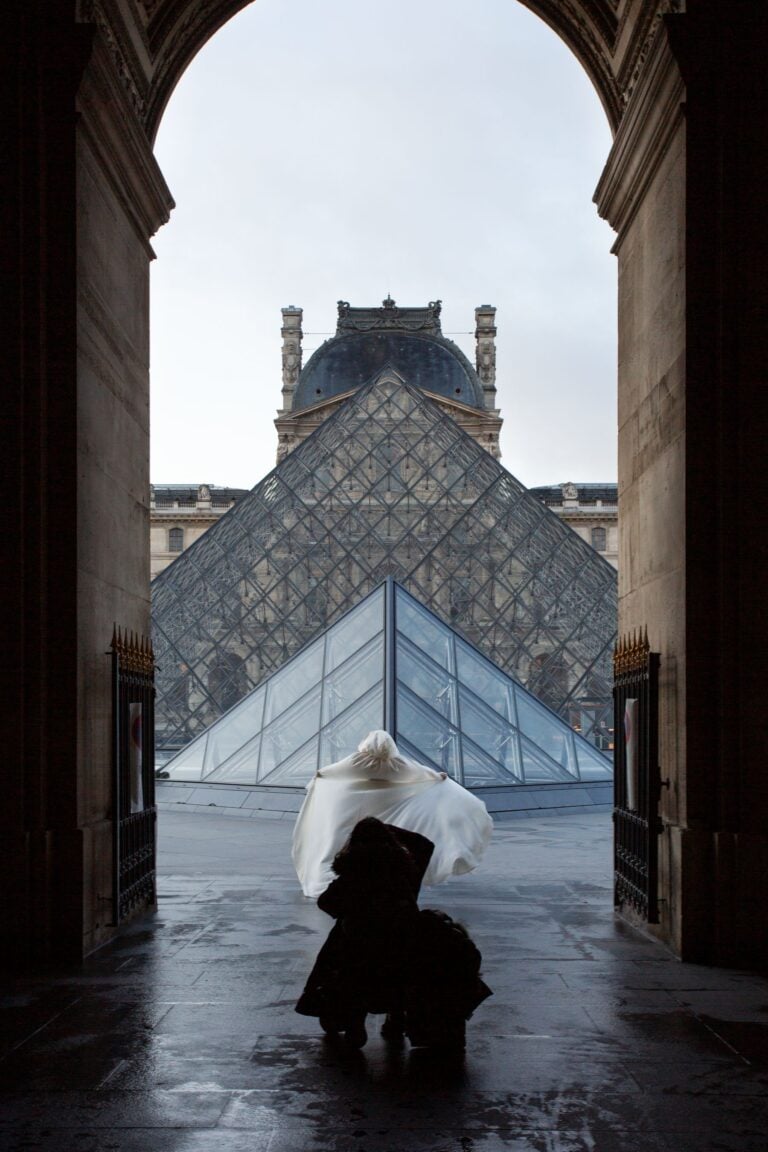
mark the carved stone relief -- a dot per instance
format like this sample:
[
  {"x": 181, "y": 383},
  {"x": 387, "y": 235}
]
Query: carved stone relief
[
  {"x": 645, "y": 33},
  {"x": 389, "y": 316},
  {"x": 178, "y": 28},
  {"x": 127, "y": 65}
]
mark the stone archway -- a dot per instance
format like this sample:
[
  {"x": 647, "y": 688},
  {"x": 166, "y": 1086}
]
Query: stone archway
[
  {"x": 177, "y": 29},
  {"x": 684, "y": 188}
]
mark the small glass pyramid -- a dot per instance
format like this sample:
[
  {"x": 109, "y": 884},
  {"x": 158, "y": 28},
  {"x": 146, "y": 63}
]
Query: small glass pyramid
[
  {"x": 389, "y": 485},
  {"x": 390, "y": 663}
]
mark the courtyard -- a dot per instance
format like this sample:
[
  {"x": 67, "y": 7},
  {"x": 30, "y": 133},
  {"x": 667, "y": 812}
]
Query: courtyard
[{"x": 180, "y": 1036}]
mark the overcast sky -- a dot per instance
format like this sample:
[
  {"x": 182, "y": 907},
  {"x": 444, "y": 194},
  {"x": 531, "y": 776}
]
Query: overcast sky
[{"x": 339, "y": 149}]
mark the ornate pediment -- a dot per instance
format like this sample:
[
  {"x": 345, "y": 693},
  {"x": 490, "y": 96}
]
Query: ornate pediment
[{"x": 389, "y": 316}]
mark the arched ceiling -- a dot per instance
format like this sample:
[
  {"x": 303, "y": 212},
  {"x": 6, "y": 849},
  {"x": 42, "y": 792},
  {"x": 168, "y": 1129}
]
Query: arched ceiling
[{"x": 175, "y": 30}]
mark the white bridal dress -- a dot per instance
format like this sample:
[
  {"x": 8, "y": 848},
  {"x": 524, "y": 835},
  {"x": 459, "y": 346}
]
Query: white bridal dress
[{"x": 377, "y": 781}]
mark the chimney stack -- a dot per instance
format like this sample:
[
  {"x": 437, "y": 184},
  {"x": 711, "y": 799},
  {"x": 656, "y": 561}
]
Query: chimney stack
[
  {"x": 291, "y": 333},
  {"x": 485, "y": 353}
]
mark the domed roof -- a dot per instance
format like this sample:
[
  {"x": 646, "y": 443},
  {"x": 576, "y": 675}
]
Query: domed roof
[{"x": 368, "y": 340}]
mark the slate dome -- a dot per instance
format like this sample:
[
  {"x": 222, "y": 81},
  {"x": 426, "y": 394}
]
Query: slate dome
[{"x": 360, "y": 350}]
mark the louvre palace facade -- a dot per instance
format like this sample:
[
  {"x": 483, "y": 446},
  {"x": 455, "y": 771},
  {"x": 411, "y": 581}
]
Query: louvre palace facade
[
  {"x": 179, "y": 514},
  {"x": 387, "y": 468}
]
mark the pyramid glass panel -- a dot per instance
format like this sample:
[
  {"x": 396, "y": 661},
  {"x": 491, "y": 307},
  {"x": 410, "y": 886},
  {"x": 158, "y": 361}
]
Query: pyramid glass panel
[
  {"x": 352, "y": 679},
  {"x": 544, "y": 731},
  {"x": 485, "y": 681},
  {"x": 298, "y": 768},
  {"x": 426, "y": 680},
  {"x": 425, "y": 631},
  {"x": 387, "y": 485},
  {"x": 435, "y": 740},
  {"x": 241, "y": 767},
  {"x": 188, "y": 764},
  {"x": 487, "y": 730},
  {"x": 481, "y": 769},
  {"x": 305, "y": 672},
  {"x": 538, "y": 768},
  {"x": 224, "y": 740},
  {"x": 289, "y": 731},
  {"x": 345, "y": 732},
  {"x": 591, "y": 762},
  {"x": 457, "y": 712},
  {"x": 353, "y": 631}
]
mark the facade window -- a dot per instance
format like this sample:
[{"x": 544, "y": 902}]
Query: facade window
[
  {"x": 599, "y": 539},
  {"x": 175, "y": 539}
]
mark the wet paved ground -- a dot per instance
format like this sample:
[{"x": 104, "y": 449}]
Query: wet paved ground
[{"x": 181, "y": 1036}]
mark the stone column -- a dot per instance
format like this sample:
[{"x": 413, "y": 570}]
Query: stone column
[
  {"x": 292, "y": 334},
  {"x": 87, "y": 197},
  {"x": 685, "y": 187},
  {"x": 485, "y": 352}
]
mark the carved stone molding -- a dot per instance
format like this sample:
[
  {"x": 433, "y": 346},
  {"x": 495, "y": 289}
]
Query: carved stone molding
[
  {"x": 646, "y": 27},
  {"x": 177, "y": 29},
  {"x": 128, "y": 66},
  {"x": 110, "y": 124},
  {"x": 652, "y": 116},
  {"x": 149, "y": 8},
  {"x": 589, "y": 28},
  {"x": 593, "y": 29}
]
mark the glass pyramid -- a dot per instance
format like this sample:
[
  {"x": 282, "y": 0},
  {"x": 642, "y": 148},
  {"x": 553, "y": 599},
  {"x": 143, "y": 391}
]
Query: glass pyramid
[
  {"x": 388, "y": 485},
  {"x": 389, "y": 662}
]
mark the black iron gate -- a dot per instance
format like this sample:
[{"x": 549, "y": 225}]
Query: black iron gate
[
  {"x": 135, "y": 814},
  {"x": 637, "y": 779}
]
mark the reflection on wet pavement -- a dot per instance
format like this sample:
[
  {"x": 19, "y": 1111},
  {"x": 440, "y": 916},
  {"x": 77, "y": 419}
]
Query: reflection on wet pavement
[{"x": 181, "y": 1036}]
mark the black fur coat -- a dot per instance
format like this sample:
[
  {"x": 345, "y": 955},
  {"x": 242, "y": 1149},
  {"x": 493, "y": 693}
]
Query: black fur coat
[{"x": 383, "y": 954}]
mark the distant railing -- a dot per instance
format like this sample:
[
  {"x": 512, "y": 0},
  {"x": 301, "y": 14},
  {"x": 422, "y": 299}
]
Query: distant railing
[
  {"x": 135, "y": 814},
  {"x": 637, "y": 779}
]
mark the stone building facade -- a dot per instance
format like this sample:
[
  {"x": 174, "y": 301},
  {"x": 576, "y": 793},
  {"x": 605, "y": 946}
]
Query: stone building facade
[
  {"x": 179, "y": 514},
  {"x": 592, "y": 510}
]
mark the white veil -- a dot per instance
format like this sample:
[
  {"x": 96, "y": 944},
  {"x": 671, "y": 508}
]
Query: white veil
[{"x": 377, "y": 781}]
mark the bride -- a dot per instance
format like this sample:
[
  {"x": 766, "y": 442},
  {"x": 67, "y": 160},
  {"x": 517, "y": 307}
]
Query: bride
[{"x": 377, "y": 781}]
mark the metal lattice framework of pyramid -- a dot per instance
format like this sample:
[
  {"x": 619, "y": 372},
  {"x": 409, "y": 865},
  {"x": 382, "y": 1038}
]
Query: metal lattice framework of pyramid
[
  {"x": 389, "y": 662},
  {"x": 387, "y": 485}
]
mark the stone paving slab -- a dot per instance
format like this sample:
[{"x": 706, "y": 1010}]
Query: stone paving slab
[{"x": 181, "y": 1035}]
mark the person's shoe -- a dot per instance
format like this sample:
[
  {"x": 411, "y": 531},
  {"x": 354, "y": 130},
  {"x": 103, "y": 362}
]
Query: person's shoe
[
  {"x": 393, "y": 1028},
  {"x": 355, "y": 1035}
]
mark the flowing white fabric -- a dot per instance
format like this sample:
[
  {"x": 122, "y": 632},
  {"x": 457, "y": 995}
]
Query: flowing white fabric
[{"x": 377, "y": 781}]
